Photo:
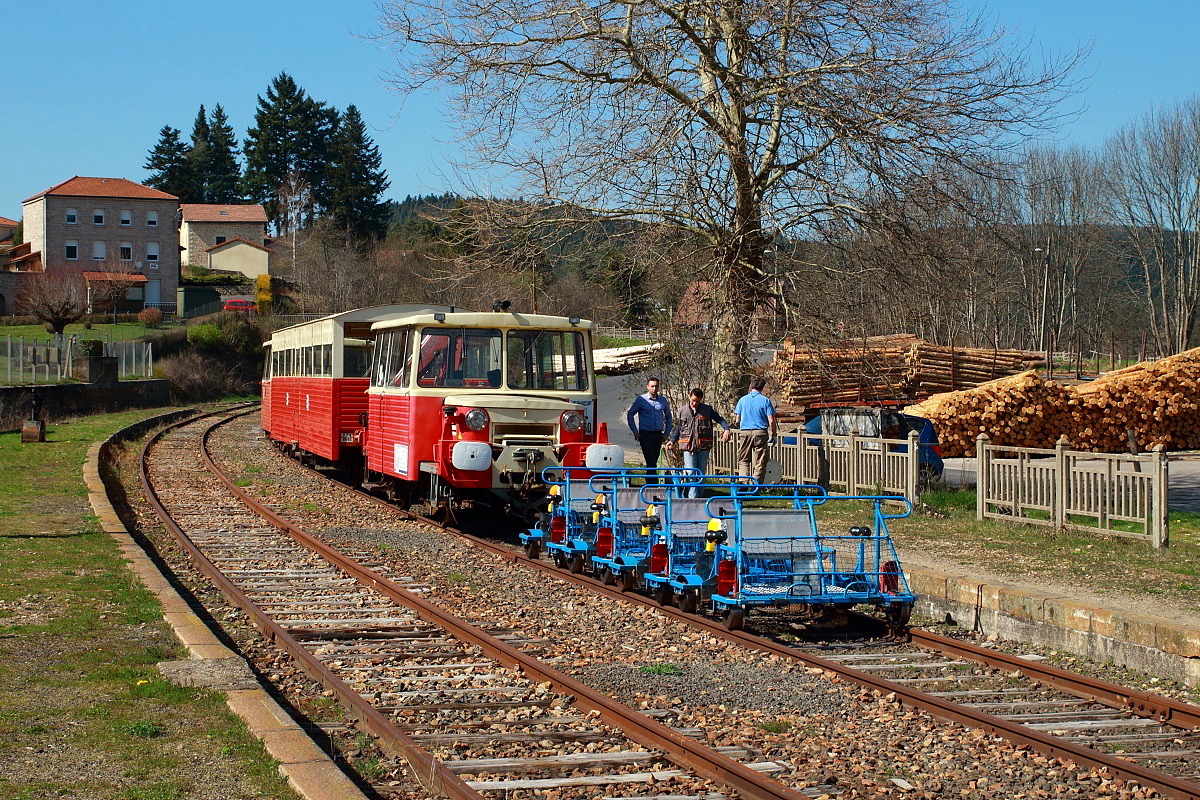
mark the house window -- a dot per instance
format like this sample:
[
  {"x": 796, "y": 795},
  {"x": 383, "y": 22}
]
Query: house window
[
  {"x": 126, "y": 218},
  {"x": 220, "y": 240},
  {"x": 72, "y": 216},
  {"x": 151, "y": 219},
  {"x": 127, "y": 251},
  {"x": 98, "y": 216},
  {"x": 97, "y": 251},
  {"x": 72, "y": 250},
  {"x": 152, "y": 253}
]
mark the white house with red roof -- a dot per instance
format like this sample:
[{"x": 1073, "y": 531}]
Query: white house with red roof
[
  {"x": 108, "y": 229},
  {"x": 225, "y": 237}
]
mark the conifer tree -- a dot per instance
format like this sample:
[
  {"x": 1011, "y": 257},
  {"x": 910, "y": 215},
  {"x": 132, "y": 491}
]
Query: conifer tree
[
  {"x": 225, "y": 175},
  {"x": 170, "y": 168},
  {"x": 290, "y": 137},
  {"x": 357, "y": 182},
  {"x": 199, "y": 156}
]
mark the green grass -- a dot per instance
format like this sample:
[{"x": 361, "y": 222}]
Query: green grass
[
  {"x": 80, "y": 638},
  {"x": 121, "y": 332},
  {"x": 661, "y": 669}
]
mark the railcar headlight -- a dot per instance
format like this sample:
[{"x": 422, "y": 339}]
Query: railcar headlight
[
  {"x": 572, "y": 421},
  {"x": 476, "y": 419}
]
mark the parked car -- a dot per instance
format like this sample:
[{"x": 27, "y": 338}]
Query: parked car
[
  {"x": 884, "y": 423},
  {"x": 238, "y": 304}
]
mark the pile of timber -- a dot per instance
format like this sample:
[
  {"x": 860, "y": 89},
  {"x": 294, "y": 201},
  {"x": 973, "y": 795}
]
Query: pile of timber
[
  {"x": 623, "y": 360},
  {"x": 880, "y": 368},
  {"x": 1156, "y": 400}
]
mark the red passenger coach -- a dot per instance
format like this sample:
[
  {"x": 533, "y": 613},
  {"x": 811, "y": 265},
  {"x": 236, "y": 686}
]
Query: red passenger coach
[{"x": 315, "y": 381}]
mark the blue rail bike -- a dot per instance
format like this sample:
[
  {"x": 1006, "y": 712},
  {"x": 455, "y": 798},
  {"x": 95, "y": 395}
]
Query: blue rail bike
[
  {"x": 682, "y": 566},
  {"x": 568, "y": 525},
  {"x": 623, "y": 536},
  {"x": 773, "y": 556}
]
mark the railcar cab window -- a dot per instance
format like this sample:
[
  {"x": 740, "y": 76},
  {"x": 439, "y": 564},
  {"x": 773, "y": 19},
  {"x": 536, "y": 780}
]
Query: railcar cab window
[
  {"x": 547, "y": 360},
  {"x": 453, "y": 357}
]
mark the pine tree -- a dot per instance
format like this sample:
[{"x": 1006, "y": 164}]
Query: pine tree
[
  {"x": 290, "y": 139},
  {"x": 170, "y": 167},
  {"x": 225, "y": 175},
  {"x": 199, "y": 156},
  {"x": 357, "y": 182}
]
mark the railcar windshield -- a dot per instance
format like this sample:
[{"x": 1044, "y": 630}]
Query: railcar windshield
[
  {"x": 468, "y": 357},
  {"x": 541, "y": 359}
]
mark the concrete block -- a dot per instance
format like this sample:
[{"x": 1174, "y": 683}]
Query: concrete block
[
  {"x": 1178, "y": 641},
  {"x": 1023, "y": 604}
]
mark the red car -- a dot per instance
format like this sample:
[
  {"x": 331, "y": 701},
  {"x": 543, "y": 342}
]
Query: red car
[{"x": 238, "y": 304}]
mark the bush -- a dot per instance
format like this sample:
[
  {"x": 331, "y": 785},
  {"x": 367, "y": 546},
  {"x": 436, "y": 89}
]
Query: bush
[
  {"x": 206, "y": 337},
  {"x": 89, "y": 348},
  {"x": 193, "y": 376},
  {"x": 151, "y": 317}
]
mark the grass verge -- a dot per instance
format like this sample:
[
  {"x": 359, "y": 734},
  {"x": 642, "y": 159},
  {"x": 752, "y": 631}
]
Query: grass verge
[{"x": 83, "y": 710}]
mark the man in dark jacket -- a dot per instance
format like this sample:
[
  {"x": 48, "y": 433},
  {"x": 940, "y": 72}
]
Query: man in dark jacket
[{"x": 693, "y": 433}]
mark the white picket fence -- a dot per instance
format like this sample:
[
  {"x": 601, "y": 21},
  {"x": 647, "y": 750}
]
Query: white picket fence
[
  {"x": 849, "y": 465},
  {"x": 1113, "y": 494}
]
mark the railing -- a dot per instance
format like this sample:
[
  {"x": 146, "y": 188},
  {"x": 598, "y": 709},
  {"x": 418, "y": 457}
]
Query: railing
[
  {"x": 638, "y": 334},
  {"x": 849, "y": 465},
  {"x": 1117, "y": 495},
  {"x": 30, "y": 360}
]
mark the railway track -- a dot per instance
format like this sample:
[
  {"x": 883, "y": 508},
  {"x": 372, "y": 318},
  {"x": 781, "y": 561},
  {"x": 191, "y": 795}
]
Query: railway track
[
  {"x": 1134, "y": 736},
  {"x": 471, "y": 711}
]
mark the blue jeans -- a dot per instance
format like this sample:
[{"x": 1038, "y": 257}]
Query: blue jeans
[{"x": 697, "y": 459}]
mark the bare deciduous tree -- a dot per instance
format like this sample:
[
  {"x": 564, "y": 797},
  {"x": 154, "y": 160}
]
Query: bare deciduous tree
[
  {"x": 57, "y": 298},
  {"x": 738, "y": 122}
]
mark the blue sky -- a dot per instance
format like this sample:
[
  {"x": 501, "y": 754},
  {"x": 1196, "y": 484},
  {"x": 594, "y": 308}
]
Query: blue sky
[{"x": 91, "y": 84}]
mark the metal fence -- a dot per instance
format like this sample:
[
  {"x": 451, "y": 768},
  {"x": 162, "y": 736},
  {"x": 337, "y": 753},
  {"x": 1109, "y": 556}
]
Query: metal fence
[
  {"x": 850, "y": 465},
  {"x": 32, "y": 360},
  {"x": 1118, "y": 495}
]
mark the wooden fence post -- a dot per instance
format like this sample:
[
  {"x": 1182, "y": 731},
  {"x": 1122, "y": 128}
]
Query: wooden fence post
[
  {"x": 913, "y": 479},
  {"x": 982, "y": 469},
  {"x": 1061, "y": 483},
  {"x": 1160, "y": 520}
]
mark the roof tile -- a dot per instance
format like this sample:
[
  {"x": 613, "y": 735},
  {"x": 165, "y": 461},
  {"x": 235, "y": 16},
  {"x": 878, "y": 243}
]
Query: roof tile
[
  {"x": 103, "y": 187},
  {"x": 207, "y": 212}
]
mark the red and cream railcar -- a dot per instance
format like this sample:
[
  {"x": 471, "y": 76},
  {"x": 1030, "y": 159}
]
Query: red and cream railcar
[
  {"x": 468, "y": 406},
  {"x": 315, "y": 377}
]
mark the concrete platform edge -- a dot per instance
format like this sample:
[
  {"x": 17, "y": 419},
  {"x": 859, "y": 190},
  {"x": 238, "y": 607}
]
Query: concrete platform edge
[
  {"x": 1154, "y": 645},
  {"x": 308, "y": 769}
]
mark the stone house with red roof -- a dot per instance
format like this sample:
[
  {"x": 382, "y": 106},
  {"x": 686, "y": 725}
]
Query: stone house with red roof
[
  {"x": 109, "y": 230},
  {"x": 224, "y": 237}
]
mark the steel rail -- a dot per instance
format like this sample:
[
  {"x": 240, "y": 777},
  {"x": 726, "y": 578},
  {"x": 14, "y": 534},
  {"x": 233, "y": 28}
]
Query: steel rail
[
  {"x": 1044, "y": 743},
  {"x": 681, "y": 749},
  {"x": 429, "y": 771}
]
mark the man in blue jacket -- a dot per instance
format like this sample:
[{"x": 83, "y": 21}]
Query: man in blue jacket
[
  {"x": 755, "y": 417},
  {"x": 653, "y": 421}
]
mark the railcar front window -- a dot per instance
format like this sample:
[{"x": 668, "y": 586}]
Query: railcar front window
[
  {"x": 464, "y": 357},
  {"x": 547, "y": 360}
]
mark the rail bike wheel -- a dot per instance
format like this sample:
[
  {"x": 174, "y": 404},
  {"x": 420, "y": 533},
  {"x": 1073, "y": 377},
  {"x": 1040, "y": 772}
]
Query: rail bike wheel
[
  {"x": 626, "y": 580},
  {"x": 664, "y": 595},
  {"x": 533, "y": 550},
  {"x": 897, "y": 617},
  {"x": 605, "y": 574},
  {"x": 560, "y": 559},
  {"x": 734, "y": 619},
  {"x": 689, "y": 601},
  {"x": 576, "y": 565}
]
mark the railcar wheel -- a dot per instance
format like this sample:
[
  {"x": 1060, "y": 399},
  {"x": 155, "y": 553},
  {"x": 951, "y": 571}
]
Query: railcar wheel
[
  {"x": 897, "y": 617},
  {"x": 689, "y": 601},
  {"x": 664, "y": 595},
  {"x": 576, "y": 565},
  {"x": 626, "y": 580},
  {"x": 735, "y": 619}
]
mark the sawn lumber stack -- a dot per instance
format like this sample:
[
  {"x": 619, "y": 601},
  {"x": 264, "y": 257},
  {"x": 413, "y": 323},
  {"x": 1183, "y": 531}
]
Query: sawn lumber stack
[
  {"x": 895, "y": 367},
  {"x": 1157, "y": 400}
]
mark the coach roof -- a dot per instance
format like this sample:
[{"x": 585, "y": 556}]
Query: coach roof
[{"x": 473, "y": 319}]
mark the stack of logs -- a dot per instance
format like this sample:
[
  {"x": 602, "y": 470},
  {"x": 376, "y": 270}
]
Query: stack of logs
[
  {"x": 1156, "y": 400},
  {"x": 623, "y": 360},
  {"x": 895, "y": 367}
]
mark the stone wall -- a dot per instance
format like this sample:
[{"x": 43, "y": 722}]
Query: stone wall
[{"x": 60, "y": 401}]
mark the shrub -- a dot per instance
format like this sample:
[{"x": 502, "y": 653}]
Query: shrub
[
  {"x": 150, "y": 317},
  {"x": 206, "y": 337},
  {"x": 89, "y": 348},
  {"x": 193, "y": 376}
]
